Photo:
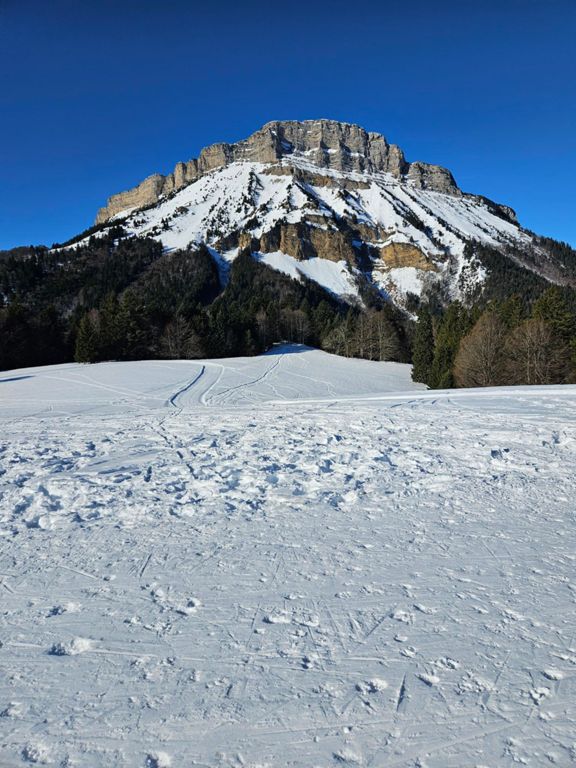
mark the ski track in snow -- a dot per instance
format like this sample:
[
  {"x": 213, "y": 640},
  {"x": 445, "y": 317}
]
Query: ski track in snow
[{"x": 287, "y": 560}]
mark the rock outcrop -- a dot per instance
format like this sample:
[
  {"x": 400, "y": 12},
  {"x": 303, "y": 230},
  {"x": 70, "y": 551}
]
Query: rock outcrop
[
  {"x": 321, "y": 144},
  {"x": 400, "y": 255},
  {"x": 432, "y": 177},
  {"x": 304, "y": 241}
]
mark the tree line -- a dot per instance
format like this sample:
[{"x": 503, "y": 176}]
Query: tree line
[
  {"x": 496, "y": 343},
  {"x": 114, "y": 297},
  {"x": 120, "y": 298}
]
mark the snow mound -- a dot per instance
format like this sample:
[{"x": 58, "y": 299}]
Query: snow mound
[{"x": 71, "y": 648}]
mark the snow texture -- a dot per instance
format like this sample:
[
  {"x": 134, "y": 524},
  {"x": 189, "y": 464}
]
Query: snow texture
[
  {"x": 294, "y": 560},
  {"x": 252, "y": 197},
  {"x": 335, "y": 277}
]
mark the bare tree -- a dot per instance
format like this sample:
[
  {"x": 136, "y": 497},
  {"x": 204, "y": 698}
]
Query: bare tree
[
  {"x": 336, "y": 341},
  {"x": 180, "y": 341},
  {"x": 263, "y": 327},
  {"x": 533, "y": 355},
  {"x": 480, "y": 360},
  {"x": 385, "y": 344},
  {"x": 296, "y": 325}
]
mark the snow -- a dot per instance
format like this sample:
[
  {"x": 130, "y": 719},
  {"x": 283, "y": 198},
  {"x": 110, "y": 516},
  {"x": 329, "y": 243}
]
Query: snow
[
  {"x": 254, "y": 197},
  {"x": 334, "y": 276},
  {"x": 406, "y": 279},
  {"x": 294, "y": 559}
]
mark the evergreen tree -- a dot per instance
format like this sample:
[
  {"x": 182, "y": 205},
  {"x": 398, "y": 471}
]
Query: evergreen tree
[
  {"x": 423, "y": 347},
  {"x": 454, "y": 324},
  {"x": 551, "y": 307},
  {"x": 87, "y": 339},
  {"x": 112, "y": 329},
  {"x": 511, "y": 311}
]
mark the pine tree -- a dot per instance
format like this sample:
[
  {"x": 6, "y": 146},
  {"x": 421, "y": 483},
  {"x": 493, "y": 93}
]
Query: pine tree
[
  {"x": 112, "y": 329},
  {"x": 551, "y": 307},
  {"x": 250, "y": 345},
  {"x": 455, "y": 323},
  {"x": 87, "y": 339},
  {"x": 511, "y": 311},
  {"x": 423, "y": 347}
]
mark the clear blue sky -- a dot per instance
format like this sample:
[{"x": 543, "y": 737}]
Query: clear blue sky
[{"x": 95, "y": 95}]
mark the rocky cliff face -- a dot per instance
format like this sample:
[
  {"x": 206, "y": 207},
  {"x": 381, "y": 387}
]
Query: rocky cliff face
[
  {"x": 324, "y": 144},
  {"x": 332, "y": 202}
]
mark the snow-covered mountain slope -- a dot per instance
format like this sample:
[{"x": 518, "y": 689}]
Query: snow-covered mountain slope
[
  {"x": 295, "y": 560},
  {"x": 323, "y": 189}
]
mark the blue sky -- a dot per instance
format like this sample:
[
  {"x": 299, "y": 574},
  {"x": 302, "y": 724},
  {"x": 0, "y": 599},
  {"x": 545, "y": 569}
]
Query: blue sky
[{"x": 95, "y": 95}]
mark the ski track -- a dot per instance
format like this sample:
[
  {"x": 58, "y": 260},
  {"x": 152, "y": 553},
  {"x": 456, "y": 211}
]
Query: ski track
[
  {"x": 182, "y": 391},
  {"x": 211, "y": 571}
]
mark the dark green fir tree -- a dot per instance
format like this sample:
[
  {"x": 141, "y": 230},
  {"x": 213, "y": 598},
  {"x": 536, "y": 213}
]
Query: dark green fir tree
[
  {"x": 87, "y": 340},
  {"x": 423, "y": 347}
]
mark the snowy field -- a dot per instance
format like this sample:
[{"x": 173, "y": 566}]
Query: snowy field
[{"x": 291, "y": 560}]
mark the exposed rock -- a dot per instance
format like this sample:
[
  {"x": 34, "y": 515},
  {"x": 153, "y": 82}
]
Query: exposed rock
[
  {"x": 498, "y": 209},
  {"x": 333, "y": 245},
  {"x": 325, "y": 144},
  {"x": 305, "y": 176},
  {"x": 245, "y": 240},
  {"x": 371, "y": 233},
  {"x": 279, "y": 170},
  {"x": 149, "y": 191},
  {"x": 396, "y": 255},
  {"x": 146, "y": 193},
  {"x": 304, "y": 241},
  {"x": 292, "y": 239},
  {"x": 215, "y": 156},
  {"x": 507, "y": 212},
  {"x": 432, "y": 177}
]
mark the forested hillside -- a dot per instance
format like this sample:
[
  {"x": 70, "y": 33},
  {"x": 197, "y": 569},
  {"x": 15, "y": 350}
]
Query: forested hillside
[
  {"x": 119, "y": 298},
  {"x": 126, "y": 298}
]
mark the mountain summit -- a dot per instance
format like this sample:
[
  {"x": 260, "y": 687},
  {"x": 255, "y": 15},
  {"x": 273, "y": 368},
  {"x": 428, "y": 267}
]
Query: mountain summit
[
  {"x": 295, "y": 192},
  {"x": 326, "y": 144}
]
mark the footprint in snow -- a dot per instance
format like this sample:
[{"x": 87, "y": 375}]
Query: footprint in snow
[
  {"x": 59, "y": 610},
  {"x": 348, "y": 757},
  {"x": 429, "y": 680},
  {"x": 425, "y": 609},
  {"x": 36, "y": 753},
  {"x": 310, "y": 660},
  {"x": 446, "y": 663},
  {"x": 375, "y": 685},
  {"x": 14, "y": 709},
  {"x": 552, "y": 674},
  {"x": 158, "y": 760},
  {"x": 190, "y": 608},
  {"x": 538, "y": 694},
  {"x": 403, "y": 616},
  {"x": 277, "y": 618},
  {"x": 73, "y": 647}
]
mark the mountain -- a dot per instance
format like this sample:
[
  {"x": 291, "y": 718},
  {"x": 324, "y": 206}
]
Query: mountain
[
  {"x": 297, "y": 191},
  {"x": 314, "y": 232}
]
